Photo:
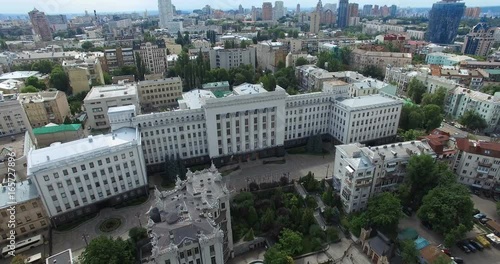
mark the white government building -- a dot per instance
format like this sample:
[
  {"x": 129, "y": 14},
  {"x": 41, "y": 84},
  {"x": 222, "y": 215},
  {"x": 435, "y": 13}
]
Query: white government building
[{"x": 79, "y": 177}]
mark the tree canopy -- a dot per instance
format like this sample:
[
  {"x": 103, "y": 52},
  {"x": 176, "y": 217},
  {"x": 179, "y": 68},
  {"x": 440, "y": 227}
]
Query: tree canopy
[
  {"x": 300, "y": 61},
  {"x": 35, "y": 82},
  {"x": 416, "y": 90},
  {"x": 384, "y": 211},
  {"x": 87, "y": 45},
  {"x": 409, "y": 252},
  {"x": 449, "y": 209},
  {"x": 59, "y": 79},
  {"x": 417, "y": 117},
  {"x": 29, "y": 89},
  {"x": 107, "y": 250},
  {"x": 473, "y": 120}
]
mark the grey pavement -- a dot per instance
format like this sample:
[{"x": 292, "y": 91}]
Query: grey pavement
[
  {"x": 74, "y": 238},
  {"x": 296, "y": 165}
]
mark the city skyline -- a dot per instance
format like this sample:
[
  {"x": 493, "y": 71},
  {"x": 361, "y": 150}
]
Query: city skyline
[{"x": 67, "y": 6}]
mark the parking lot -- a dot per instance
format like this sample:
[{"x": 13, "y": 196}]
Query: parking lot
[{"x": 486, "y": 206}]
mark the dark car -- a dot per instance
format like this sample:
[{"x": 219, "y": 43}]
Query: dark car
[
  {"x": 462, "y": 247},
  {"x": 469, "y": 245},
  {"x": 457, "y": 260},
  {"x": 484, "y": 220},
  {"x": 476, "y": 245}
]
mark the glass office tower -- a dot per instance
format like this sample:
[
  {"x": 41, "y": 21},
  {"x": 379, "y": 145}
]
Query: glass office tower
[{"x": 444, "y": 20}]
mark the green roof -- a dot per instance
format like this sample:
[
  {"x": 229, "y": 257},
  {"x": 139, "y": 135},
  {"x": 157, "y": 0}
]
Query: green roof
[
  {"x": 221, "y": 94},
  {"x": 408, "y": 234},
  {"x": 492, "y": 71},
  {"x": 408, "y": 101},
  {"x": 56, "y": 129},
  {"x": 216, "y": 84},
  {"x": 390, "y": 89}
]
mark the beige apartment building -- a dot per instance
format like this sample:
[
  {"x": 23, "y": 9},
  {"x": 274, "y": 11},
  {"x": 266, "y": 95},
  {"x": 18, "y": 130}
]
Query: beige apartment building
[
  {"x": 101, "y": 98},
  {"x": 362, "y": 58},
  {"x": 43, "y": 108},
  {"x": 30, "y": 213},
  {"x": 153, "y": 55},
  {"x": 13, "y": 119},
  {"x": 83, "y": 74},
  {"x": 160, "y": 93}
]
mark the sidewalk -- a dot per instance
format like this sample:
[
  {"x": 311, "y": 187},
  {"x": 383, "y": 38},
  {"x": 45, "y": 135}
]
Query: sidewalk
[{"x": 73, "y": 238}]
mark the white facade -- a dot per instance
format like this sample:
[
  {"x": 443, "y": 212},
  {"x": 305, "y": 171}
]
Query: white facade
[
  {"x": 415, "y": 34},
  {"x": 365, "y": 118},
  {"x": 487, "y": 106},
  {"x": 360, "y": 172},
  {"x": 196, "y": 229},
  {"x": 72, "y": 177},
  {"x": 101, "y": 98},
  {"x": 165, "y": 12},
  {"x": 153, "y": 56},
  {"x": 401, "y": 77}
]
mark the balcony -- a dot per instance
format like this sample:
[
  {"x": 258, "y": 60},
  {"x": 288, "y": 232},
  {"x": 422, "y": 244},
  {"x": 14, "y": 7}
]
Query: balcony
[
  {"x": 362, "y": 184},
  {"x": 481, "y": 169},
  {"x": 485, "y": 164}
]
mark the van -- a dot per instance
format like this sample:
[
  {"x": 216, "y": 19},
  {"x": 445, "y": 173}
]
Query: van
[{"x": 483, "y": 241}]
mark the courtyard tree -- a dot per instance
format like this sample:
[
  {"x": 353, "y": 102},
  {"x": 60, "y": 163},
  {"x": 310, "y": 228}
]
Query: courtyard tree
[
  {"x": 420, "y": 177},
  {"x": 137, "y": 233},
  {"x": 384, "y": 211},
  {"x": 59, "y": 79},
  {"x": 432, "y": 117},
  {"x": 29, "y": 89},
  {"x": 473, "y": 120},
  {"x": 409, "y": 252},
  {"x": 275, "y": 256},
  {"x": 290, "y": 242},
  {"x": 416, "y": 90},
  {"x": 300, "y": 61},
  {"x": 449, "y": 210},
  {"x": 108, "y": 250}
]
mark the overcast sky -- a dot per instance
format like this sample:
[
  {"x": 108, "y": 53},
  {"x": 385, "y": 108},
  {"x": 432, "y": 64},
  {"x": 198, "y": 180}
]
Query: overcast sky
[{"x": 79, "y": 6}]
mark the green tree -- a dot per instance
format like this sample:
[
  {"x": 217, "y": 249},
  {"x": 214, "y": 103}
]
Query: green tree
[
  {"x": 3, "y": 45},
  {"x": 416, "y": 90},
  {"x": 433, "y": 117},
  {"x": 373, "y": 71},
  {"x": 267, "y": 220},
  {"x": 252, "y": 218},
  {"x": 107, "y": 250},
  {"x": 107, "y": 78},
  {"x": 35, "y": 82},
  {"x": 384, "y": 211},
  {"x": 136, "y": 234},
  {"x": 43, "y": 66},
  {"x": 307, "y": 219},
  {"x": 409, "y": 252},
  {"x": 449, "y": 209},
  {"x": 269, "y": 82},
  {"x": 249, "y": 236},
  {"x": 420, "y": 177},
  {"x": 275, "y": 256},
  {"x": 436, "y": 98},
  {"x": 442, "y": 259},
  {"x": 332, "y": 234},
  {"x": 29, "y": 89},
  {"x": 300, "y": 61},
  {"x": 59, "y": 79},
  {"x": 87, "y": 45},
  {"x": 411, "y": 134},
  {"x": 473, "y": 120},
  {"x": 356, "y": 222},
  {"x": 491, "y": 89},
  {"x": 290, "y": 242}
]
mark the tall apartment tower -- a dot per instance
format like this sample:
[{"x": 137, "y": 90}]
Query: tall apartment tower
[
  {"x": 315, "y": 19},
  {"x": 353, "y": 10},
  {"x": 367, "y": 10},
  {"x": 479, "y": 40},
  {"x": 343, "y": 16},
  {"x": 297, "y": 11},
  {"x": 279, "y": 10},
  {"x": 166, "y": 12},
  {"x": 267, "y": 11},
  {"x": 444, "y": 19},
  {"x": 40, "y": 25}
]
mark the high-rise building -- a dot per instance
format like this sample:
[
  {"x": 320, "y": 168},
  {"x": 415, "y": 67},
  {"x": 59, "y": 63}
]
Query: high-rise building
[
  {"x": 353, "y": 10},
  {"x": 444, "y": 19},
  {"x": 328, "y": 17},
  {"x": 375, "y": 11},
  {"x": 343, "y": 15},
  {"x": 319, "y": 7},
  {"x": 279, "y": 10},
  {"x": 472, "y": 12},
  {"x": 267, "y": 11},
  {"x": 153, "y": 55},
  {"x": 114, "y": 59},
  {"x": 367, "y": 10},
  {"x": 165, "y": 12},
  {"x": 393, "y": 10},
  {"x": 315, "y": 19},
  {"x": 58, "y": 22},
  {"x": 241, "y": 10},
  {"x": 384, "y": 11},
  {"x": 40, "y": 25},
  {"x": 479, "y": 40},
  {"x": 297, "y": 10}
]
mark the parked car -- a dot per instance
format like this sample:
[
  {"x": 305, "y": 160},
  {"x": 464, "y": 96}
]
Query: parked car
[
  {"x": 484, "y": 220},
  {"x": 462, "y": 247},
  {"x": 483, "y": 241},
  {"x": 479, "y": 216},
  {"x": 476, "y": 245},
  {"x": 446, "y": 251},
  {"x": 469, "y": 245},
  {"x": 457, "y": 260}
]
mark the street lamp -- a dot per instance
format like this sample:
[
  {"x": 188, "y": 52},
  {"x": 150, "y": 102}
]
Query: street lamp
[
  {"x": 138, "y": 215},
  {"x": 84, "y": 237}
]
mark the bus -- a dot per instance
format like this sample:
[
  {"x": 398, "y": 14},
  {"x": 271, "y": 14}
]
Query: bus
[
  {"x": 35, "y": 259},
  {"x": 23, "y": 245}
]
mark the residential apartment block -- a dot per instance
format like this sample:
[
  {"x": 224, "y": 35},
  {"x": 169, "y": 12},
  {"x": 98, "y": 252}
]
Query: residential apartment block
[
  {"x": 78, "y": 177},
  {"x": 153, "y": 55},
  {"x": 362, "y": 58},
  {"x": 101, "y": 98},
  {"x": 231, "y": 58},
  {"x": 401, "y": 77},
  {"x": 480, "y": 40},
  {"x": 13, "y": 119},
  {"x": 192, "y": 223},
  {"x": 359, "y": 172},
  {"x": 477, "y": 163},
  {"x": 83, "y": 74},
  {"x": 114, "y": 59},
  {"x": 160, "y": 93},
  {"x": 270, "y": 54},
  {"x": 446, "y": 59},
  {"x": 487, "y": 106},
  {"x": 43, "y": 108},
  {"x": 30, "y": 215}
]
